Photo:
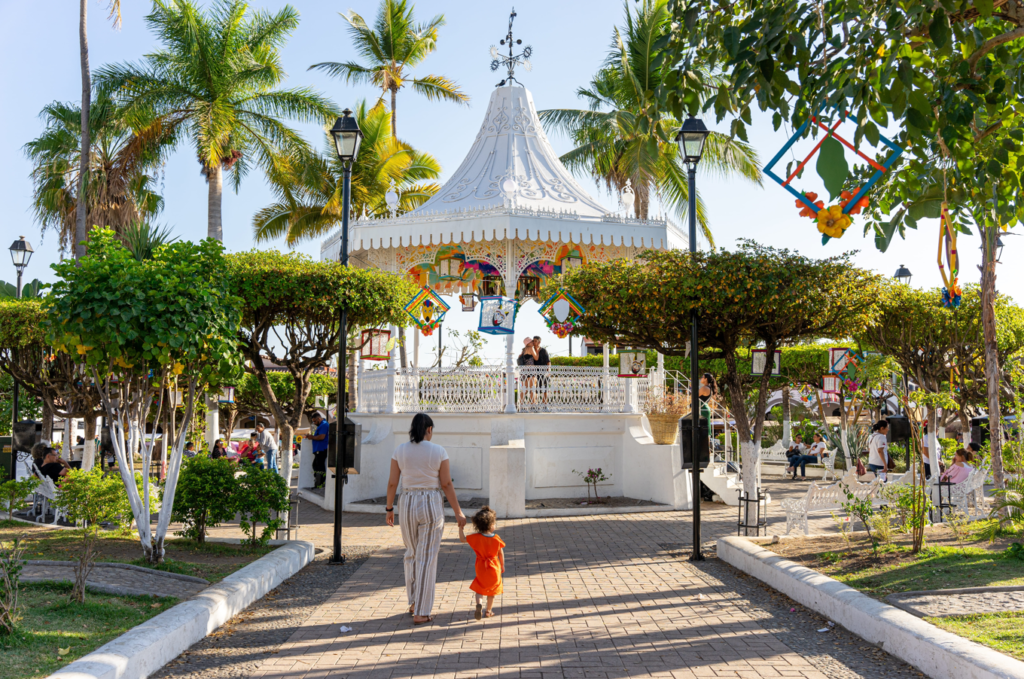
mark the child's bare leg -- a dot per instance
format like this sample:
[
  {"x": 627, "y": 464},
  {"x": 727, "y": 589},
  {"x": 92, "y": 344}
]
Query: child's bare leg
[{"x": 490, "y": 605}]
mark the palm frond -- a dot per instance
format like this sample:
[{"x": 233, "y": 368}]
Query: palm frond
[{"x": 439, "y": 88}]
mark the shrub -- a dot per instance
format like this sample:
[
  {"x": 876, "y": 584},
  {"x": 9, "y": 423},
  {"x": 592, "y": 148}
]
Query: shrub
[
  {"x": 205, "y": 496},
  {"x": 260, "y": 492},
  {"x": 89, "y": 498},
  {"x": 11, "y": 564},
  {"x": 14, "y": 493}
]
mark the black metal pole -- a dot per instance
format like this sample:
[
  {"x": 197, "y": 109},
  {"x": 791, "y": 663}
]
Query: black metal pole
[
  {"x": 694, "y": 377},
  {"x": 340, "y": 477},
  {"x": 15, "y": 405}
]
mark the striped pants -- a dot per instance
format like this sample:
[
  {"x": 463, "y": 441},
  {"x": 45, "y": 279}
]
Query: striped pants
[{"x": 421, "y": 518}]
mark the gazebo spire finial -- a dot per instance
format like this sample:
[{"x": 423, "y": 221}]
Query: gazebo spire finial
[{"x": 512, "y": 60}]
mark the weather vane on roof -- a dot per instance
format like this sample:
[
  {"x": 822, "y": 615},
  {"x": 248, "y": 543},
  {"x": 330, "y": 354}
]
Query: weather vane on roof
[{"x": 512, "y": 60}]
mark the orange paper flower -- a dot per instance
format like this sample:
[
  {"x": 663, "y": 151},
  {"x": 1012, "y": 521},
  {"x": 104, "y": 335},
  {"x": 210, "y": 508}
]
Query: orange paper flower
[{"x": 806, "y": 211}]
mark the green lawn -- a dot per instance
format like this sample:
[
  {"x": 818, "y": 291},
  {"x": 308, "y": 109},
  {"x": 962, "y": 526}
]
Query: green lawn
[
  {"x": 934, "y": 568},
  {"x": 1001, "y": 631},
  {"x": 51, "y": 623}
]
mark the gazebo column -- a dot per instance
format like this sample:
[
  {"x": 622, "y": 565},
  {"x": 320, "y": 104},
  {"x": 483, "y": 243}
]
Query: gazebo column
[
  {"x": 392, "y": 382},
  {"x": 360, "y": 403},
  {"x": 605, "y": 387},
  {"x": 510, "y": 375},
  {"x": 415, "y": 351}
]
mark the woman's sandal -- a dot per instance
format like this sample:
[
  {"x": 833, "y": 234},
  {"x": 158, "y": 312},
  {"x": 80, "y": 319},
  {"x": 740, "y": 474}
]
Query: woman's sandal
[
  {"x": 478, "y": 614},
  {"x": 488, "y": 614},
  {"x": 410, "y": 610},
  {"x": 429, "y": 619}
]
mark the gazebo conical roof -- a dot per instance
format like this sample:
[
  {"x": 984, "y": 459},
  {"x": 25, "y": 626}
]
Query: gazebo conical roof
[{"x": 510, "y": 186}]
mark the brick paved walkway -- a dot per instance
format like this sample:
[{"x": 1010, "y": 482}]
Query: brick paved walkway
[{"x": 584, "y": 597}]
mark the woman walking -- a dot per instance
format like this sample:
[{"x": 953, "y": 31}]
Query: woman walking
[{"x": 424, "y": 466}]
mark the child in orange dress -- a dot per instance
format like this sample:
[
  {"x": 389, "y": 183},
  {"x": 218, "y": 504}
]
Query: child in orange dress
[{"x": 490, "y": 559}]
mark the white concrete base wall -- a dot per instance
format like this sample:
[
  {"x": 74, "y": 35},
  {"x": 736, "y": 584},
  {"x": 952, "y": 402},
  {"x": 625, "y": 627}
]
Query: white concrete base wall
[
  {"x": 937, "y": 653},
  {"x": 146, "y": 648},
  {"x": 553, "y": 446}
]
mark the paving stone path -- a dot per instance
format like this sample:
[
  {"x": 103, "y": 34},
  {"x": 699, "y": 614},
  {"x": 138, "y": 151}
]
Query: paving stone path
[
  {"x": 952, "y": 602},
  {"x": 117, "y": 579},
  {"x": 601, "y": 596}
]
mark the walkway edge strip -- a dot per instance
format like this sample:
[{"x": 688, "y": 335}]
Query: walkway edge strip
[
  {"x": 146, "y": 648},
  {"x": 936, "y": 652}
]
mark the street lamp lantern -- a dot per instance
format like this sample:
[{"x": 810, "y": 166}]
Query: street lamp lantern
[
  {"x": 903, "y": 275},
  {"x": 21, "y": 252},
  {"x": 691, "y": 139},
  {"x": 347, "y": 137}
]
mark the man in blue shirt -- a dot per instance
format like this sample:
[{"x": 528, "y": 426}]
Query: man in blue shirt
[{"x": 319, "y": 438}]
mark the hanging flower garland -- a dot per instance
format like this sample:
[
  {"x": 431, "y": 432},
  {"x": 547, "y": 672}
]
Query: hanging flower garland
[
  {"x": 832, "y": 221},
  {"x": 952, "y": 293}
]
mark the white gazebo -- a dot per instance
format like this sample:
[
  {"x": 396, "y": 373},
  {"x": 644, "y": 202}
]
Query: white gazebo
[
  {"x": 509, "y": 217},
  {"x": 511, "y": 214}
]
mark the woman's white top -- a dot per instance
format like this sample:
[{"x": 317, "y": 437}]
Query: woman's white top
[
  {"x": 877, "y": 454},
  {"x": 420, "y": 464},
  {"x": 818, "y": 448}
]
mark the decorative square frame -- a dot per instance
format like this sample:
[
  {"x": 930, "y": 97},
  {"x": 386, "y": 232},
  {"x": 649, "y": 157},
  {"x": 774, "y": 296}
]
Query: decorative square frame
[
  {"x": 758, "y": 358},
  {"x": 632, "y": 364},
  {"x": 497, "y": 309},
  {"x": 416, "y": 304},
  {"x": 374, "y": 344},
  {"x": 880, "y": 169}
]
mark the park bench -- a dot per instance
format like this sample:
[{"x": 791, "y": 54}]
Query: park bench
[
  {"x": 777, "y": 454},
  {"x": 46, "y": 493},
  {"x": 825, "y": 499}
]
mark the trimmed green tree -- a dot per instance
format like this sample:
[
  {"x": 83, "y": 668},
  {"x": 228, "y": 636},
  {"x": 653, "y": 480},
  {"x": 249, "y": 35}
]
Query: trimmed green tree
[
  {"x": 290, "y": 315},
  {"x": 753, "y": 295},
  {"x": 943, "y": 74},
  {"x": 138, "y": 328}
]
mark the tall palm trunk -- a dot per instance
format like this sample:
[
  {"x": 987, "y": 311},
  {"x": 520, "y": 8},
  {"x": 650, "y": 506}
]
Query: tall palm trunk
[
  {"x": 215, "y": 178},
  {"x": 83, "y": 163},
  {"x": 402, "y": 356}
]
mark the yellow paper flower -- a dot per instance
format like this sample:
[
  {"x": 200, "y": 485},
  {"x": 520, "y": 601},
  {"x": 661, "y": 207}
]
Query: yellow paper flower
[
  {"x": 178, "y": 368},
  {"x": 832, "y": 222}
]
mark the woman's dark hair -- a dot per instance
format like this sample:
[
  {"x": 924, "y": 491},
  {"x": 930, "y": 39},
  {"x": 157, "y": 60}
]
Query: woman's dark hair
[
  {"x": 712, "y": 385},
  {"x": 964, "y": 454},
  {"x": 880, "y": 425},
  {"x": 485, "y": 520},
  {"x": 968, "y": 455},
  {"x": 974, "y": 447},
  {"x": 420, "y": 423}
]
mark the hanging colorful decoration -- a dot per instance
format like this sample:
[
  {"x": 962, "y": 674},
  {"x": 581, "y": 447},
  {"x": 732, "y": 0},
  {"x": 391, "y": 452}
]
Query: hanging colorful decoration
[
  {"x": 427, "y": 310},
  {"x": 952, "y": 293},
  {"x": 497, "y": 315},
  {"x": 561, "y": 312},
  {"x": 832, "y": 221},
  {"x": 843, "y": 364},
  {"x": 375, "y": 344},
  {"x": 758, "y": 359}
]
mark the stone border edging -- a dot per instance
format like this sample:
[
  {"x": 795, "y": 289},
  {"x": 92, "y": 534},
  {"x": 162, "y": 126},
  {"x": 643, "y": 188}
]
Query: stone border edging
[
  {"x": 895, "y": 597},
  {"x": 125, "y": 566},
  {"x": 149, "y": 646},
  {"x": 936, "y": 652}
]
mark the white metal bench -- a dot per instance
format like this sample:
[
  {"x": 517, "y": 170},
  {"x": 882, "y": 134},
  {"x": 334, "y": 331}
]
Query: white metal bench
[
  {"x": 824, "y": 499},
  {"x": 777, "y": 453},
  {"x": 46, "y": 493}
]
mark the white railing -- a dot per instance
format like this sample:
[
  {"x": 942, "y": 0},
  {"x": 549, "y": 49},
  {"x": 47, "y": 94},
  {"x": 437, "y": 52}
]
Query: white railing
[
  {"x": 458, "y": 390},
  {"x": 569, "y": 389},
  {"x": 373, "y": 391}
]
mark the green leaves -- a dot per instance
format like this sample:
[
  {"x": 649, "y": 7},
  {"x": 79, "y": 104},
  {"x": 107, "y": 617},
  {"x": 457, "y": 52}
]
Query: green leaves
[
  {"x": 938, "y": 29},
  {"x": 832, "y": 166}
]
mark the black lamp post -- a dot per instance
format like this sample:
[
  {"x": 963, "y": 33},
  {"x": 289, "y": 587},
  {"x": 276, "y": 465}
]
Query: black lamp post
[
  {"x": 691, "y": 140},
  {"x": 347, "y": 138},
  {"x": 903, "y": 276},
  {"x": 21, "y": 253}
]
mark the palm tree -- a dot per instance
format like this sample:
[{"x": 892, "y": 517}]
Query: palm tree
[
  {"x": 623, "y": 136},
  {"x": 121, "y": 164},
  {"x": 392, "y": 46},
  {"x": 214, "y": 85},
  {"x": 309, "y": 202},
  {"x": 83, "y": 165}
]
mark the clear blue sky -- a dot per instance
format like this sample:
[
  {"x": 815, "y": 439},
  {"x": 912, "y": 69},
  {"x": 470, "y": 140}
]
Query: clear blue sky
[{"x": 39, "y": 46}]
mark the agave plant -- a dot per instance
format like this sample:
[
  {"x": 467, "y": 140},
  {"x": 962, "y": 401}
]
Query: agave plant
[{"x": 143, "y": 238}]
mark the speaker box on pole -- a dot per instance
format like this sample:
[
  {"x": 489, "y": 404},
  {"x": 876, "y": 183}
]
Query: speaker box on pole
[{"x": 686, "y": 442}]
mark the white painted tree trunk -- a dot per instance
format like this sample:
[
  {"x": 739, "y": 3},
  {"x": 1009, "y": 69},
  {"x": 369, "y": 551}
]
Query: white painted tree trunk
[
  {"x": 89, "y": 450},
  {"x": 286, "y": 435},
  {"x": 750, "y": 452},
  {"x": 844, "y": 439}
]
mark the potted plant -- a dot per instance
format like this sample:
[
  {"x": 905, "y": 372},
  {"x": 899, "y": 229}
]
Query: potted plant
[{"x": 663, "y": 413}]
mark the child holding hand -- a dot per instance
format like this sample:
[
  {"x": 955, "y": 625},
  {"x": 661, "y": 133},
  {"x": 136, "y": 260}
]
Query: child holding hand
[{"x": 490, "y": 559}]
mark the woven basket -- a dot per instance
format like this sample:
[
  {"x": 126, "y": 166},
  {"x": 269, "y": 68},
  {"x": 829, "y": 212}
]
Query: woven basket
[{"x": 664, "y": 428}]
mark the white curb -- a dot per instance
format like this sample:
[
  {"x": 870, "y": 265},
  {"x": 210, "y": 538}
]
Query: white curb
[
  {"x": 936, "y": 652},
  {"x": 146, "y": 648}
]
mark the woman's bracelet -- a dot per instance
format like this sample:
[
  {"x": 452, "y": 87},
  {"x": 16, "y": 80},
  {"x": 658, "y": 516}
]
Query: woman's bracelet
[{"x": 389, "y": 509}]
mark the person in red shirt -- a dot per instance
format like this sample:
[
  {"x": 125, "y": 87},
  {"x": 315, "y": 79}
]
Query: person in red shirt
[
  {"x": 247, "y": 451},
  {"x": 490, "y": 559}
]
